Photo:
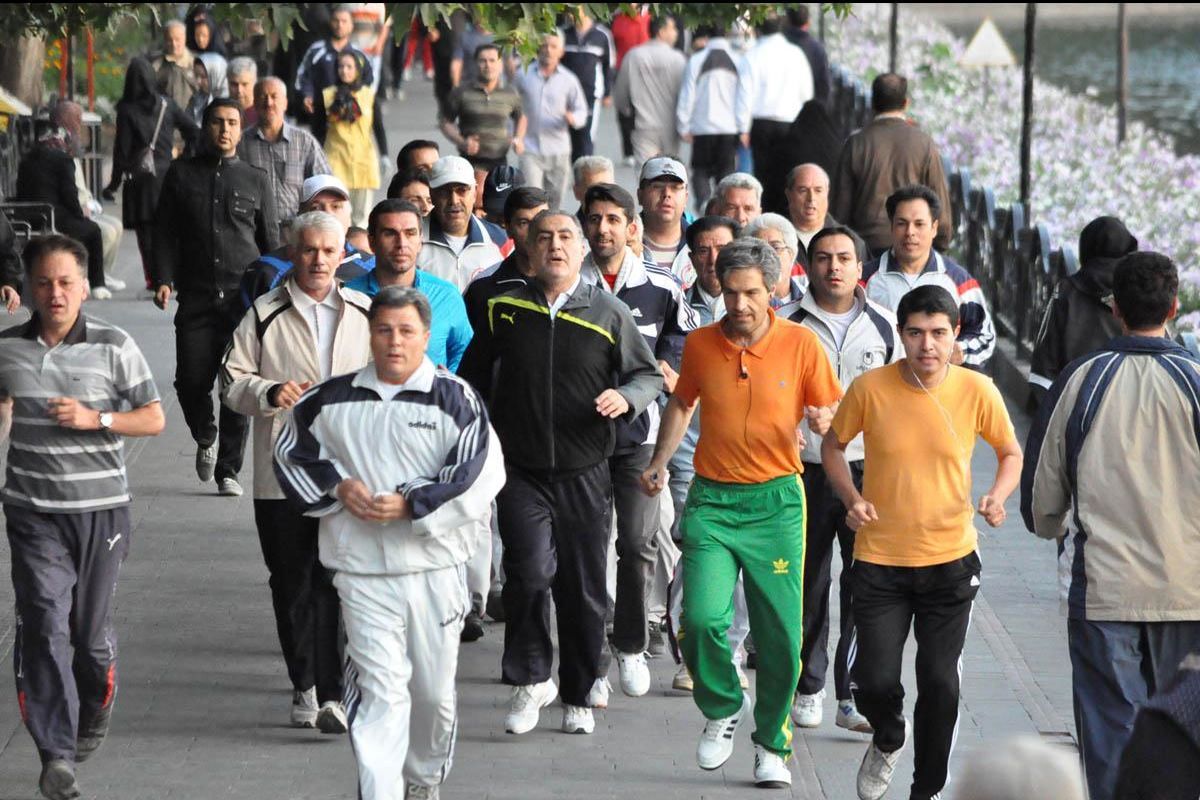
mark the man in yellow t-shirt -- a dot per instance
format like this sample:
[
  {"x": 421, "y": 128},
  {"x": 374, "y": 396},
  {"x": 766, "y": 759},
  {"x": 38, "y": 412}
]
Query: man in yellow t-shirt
[{"x": 915, "y": 563}]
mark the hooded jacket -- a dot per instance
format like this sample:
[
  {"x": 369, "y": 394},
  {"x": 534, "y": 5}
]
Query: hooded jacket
[{"x": 1079, "y": 319}]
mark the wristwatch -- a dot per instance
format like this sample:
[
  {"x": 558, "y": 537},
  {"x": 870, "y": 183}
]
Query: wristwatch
[{"x": 106, "y": 420}]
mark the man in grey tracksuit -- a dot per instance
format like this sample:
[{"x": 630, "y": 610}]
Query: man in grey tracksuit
[{"x": 647, "y": 89}]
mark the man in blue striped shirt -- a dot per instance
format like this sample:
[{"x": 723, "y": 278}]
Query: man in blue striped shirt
[{"x": 71, "y": 387}]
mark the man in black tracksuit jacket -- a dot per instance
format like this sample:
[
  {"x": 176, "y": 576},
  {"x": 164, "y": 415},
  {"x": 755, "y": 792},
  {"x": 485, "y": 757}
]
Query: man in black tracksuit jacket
[
  {"x": 216, "y": 214},
  {"x": 559, "y": 361}
]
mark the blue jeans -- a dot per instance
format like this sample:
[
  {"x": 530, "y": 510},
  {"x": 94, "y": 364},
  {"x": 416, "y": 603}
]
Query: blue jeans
[{"x": 1116, "y": 667}]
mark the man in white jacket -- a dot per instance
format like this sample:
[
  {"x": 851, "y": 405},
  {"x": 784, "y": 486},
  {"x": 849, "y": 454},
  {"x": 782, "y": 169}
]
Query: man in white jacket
[
  {"x": 400, "y": 463},
  {"x": 302, "y": 332}
]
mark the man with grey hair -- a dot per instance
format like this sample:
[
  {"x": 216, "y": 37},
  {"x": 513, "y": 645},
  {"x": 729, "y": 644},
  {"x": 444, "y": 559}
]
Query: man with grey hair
[
  {"x": 573, "y": 363},
  {"x": 397, "y": 523},
  {"x": 298, "y": 334},
  {"x": 554, "y": 105},
  {"x": 288, "y": 154},
  {"x": 807, "y": 192},
  {"x": 174, "y": 67},
  {"x": 242, "y": 76},
  {"x": 778, "y": 232},
  {"x": 745, "y": 510},
  {"x": 587, "y": 172},
  {"x": 739, "y": 197}
]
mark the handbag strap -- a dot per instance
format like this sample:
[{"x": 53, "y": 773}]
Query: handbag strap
[{"x": 158, "y": 125}]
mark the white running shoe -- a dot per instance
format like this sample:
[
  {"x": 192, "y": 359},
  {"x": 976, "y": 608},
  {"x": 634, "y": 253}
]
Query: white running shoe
[
  {"x": 635, "y": 675},
  {"x": 114, "y": 284},
  {"x": 229, "y": 487},
  {"x": 598, "y": 696},
  {"x": 848, "y": 717},
  {"x": 875, "y": 772},
  {"x": 806, "y": 709},
  {"x": 716, "y": 742},
  {"x": 770, "y": 770},
  {"x": 683, "y": 680},
  {"x": 304, "y": 708},
  {"x": 527, "y": 704},
  {"x": 577, "y": 719},
  {"x": 101, "y": 293},
  {"x": 332, "y": 718}
]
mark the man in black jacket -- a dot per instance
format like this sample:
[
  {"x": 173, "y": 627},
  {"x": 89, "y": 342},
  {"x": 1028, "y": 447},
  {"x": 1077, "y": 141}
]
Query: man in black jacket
[
  {"x": 216, "y": 214},
  {"x": 561, "y": 345},
  {"x": 1079, "y": 319}
]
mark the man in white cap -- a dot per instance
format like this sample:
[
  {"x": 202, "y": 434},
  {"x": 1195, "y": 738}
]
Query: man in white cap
[
  {"x": 663, "y": 196},
  {"x": 319, "y": 193},
  {"x": 459, "y": 245}
]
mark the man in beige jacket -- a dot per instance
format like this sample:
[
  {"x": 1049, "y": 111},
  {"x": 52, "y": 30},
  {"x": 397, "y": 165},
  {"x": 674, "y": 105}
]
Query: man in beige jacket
[{"x": 304, "y": 331}]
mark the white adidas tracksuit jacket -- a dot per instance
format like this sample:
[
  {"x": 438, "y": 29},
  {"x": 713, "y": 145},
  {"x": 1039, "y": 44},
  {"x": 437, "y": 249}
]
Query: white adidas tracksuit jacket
[{"x": 401, "y": 584}]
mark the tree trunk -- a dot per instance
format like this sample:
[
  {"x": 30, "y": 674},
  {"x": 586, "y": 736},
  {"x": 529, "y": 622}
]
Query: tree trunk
[{"x": 21, "y": 68}]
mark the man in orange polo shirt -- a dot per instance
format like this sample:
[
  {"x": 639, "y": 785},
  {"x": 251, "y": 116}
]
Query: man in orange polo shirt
[
  {"x": 756, "y": 377},
  {"x": 915, "y": 564}
]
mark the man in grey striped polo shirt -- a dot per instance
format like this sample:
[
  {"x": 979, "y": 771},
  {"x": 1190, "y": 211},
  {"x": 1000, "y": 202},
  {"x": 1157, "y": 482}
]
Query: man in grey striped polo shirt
[{"x": 71, "y": 387}]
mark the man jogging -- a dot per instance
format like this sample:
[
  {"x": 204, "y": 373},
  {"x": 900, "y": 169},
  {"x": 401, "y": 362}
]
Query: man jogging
[
  {"x": 756, "y": 378},
  {"x": 399, "y": 462},
  {"x": 70, "y": 386},
  {"x": 915, "y": 560},
  {"x": 571, "y": 362}
]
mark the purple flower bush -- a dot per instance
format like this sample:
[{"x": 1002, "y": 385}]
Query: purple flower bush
[{"x": 1079, "y": 172}]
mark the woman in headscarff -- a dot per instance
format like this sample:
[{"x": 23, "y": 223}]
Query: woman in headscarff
[
  {"x": 349, "y": 106},
  {"x": 1079, "y": 319},
  {"x": 138, "y": 114}
]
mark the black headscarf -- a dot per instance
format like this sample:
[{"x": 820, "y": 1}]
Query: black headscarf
[
  {"x": 1102, "y": 243},
  {"x": 141, "y": 98},
  {"x": 345, "y": 107}
]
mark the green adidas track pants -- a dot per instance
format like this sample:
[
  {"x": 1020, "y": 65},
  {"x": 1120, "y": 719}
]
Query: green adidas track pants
[{"x": 759, "y": 529}]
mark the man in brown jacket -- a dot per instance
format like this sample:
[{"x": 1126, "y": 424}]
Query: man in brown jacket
[
  {"x": 302, "y": 332},
  {"x": 878, "y": 159}
]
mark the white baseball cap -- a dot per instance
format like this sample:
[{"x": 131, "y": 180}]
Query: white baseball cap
[
  {"x": 451, "y": 169},
  {"x": 322, "y": 183},
  {"x": 664, "y": 167}
]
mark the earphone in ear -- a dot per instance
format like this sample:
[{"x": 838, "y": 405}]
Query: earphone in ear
[{"x": 964, "y": 452}]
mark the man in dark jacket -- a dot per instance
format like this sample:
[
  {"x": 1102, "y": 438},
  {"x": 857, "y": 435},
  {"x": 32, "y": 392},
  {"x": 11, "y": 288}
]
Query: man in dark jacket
[
  {"x": 573, "y": 362},
  {"x": 1079, "y": 319},
  {"x": 216, "y": 214},
  {"x": 47, "y": 175},
  {"x": 797, "y": 33}
]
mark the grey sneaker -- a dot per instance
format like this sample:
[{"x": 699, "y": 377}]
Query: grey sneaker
[
  {"x": 58, "y": 780},
  {"x": 206, "y": 462},
  {"x": 416, "y": 791},
  {"x": 332, "y": 718},
  {"x": 91, "y": 736},
  {"x": 875, "y": 772},
  {"x": 229, "y": 487},
  {"x": 657, "y": 642},
  {"x": 304, "y": 708}
]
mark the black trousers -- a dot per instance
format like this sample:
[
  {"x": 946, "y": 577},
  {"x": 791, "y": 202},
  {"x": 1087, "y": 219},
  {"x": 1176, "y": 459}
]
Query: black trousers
[
  {"x": 936, "y": 602},
  {"x": 203, "y": 331},
  {"x": 306, "y": 604},
  {"x": 555, "y": 532},
  {"x": 625, "y": 124},
  {"x": 88, "y": 234},
  {"x": 768, "y": 144},
  {"x": 826, "y": 525},
  {"x": 581, "y": 140},
  {"x": 713, "y": 157},
  {"x": 64, "y": 573},
  {"x": 637, "y": 549}
]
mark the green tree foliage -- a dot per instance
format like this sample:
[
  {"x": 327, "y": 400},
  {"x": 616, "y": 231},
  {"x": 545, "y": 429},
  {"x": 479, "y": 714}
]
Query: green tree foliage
[{"x": 518, "y": 23}]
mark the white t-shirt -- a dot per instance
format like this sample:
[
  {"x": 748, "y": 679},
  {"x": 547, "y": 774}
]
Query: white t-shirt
[
  {"x": 322, "y": 318},
  {"x": 839, "y": 324},
  {"x": 457, "y": 243},
  {"x": 806, "y": 237}
]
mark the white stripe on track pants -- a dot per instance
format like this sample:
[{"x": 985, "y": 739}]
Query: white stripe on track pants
[{"x": 402, "y": 636}]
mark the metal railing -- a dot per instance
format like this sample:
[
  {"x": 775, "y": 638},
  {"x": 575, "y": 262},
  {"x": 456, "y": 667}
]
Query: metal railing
[{"x": 1014, "y": 259}]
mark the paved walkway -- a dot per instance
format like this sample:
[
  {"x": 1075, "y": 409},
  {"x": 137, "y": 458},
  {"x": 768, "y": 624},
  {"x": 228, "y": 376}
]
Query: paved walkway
[{"x": 204, "y": 700}]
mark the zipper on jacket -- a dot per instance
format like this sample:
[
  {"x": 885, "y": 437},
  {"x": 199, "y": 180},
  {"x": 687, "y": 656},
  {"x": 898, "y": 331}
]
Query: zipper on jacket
[{"x": 553, "y": 449}]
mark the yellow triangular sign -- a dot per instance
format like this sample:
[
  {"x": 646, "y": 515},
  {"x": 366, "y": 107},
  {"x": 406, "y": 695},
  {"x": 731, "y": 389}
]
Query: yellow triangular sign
[{"x": 987, "y": 48}]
